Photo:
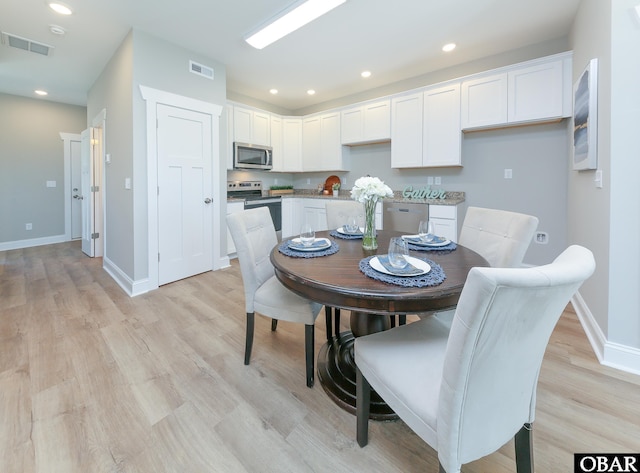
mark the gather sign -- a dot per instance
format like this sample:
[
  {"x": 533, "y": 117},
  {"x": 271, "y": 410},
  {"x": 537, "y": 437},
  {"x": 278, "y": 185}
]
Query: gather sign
[{"x": 423, "y": 193}]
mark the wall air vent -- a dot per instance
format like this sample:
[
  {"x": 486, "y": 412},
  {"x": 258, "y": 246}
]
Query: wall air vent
[
  {"x": 19, "y": 42},
  {"x": 201, "y": 70}
]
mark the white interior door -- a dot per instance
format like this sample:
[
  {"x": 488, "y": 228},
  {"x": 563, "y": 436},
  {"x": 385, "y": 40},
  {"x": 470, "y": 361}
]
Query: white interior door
[
  {"x": 185, "y": 213},
  {"x": 76, "y": 190},
  {"x": 86, "y": 196}
]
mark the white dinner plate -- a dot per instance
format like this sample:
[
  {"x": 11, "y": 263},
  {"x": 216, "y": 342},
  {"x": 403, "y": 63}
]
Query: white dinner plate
[
  {"x": 318, "y": 244},
  {"x": 415, "y": 240},
  {"x": 342, "y": 231},
  {"x": 418, "y": 263}
]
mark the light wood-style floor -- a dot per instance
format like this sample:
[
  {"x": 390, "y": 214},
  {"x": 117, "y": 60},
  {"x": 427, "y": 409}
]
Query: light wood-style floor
[{"x": 94, "y": 381}]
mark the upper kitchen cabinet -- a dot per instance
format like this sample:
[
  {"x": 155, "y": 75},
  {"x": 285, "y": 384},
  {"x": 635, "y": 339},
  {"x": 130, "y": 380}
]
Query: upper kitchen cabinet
[
  {"x": 291, "y": 157},
  {"x": 425, "y": 128},
  {"x": 366, "y": 123},
  {"x": 321, "y": 146},
  {"x": 530, "y": 92},
  {"x": 251, "y": 126}
]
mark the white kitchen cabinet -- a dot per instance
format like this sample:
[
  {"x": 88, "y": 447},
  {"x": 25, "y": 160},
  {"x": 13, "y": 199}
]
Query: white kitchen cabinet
[
  {"x": 426, "y": 128},
  {"x": 276, "y": 144},
  {"x": 366, "y": 123},
  {"x": 232, "y": 207},
  {"x": 291, "y": 216},
  {"x": 229, "y": 136},
  {"x": 441, "y": 133},
  {"x": 445, "y": 220},
  {"x": 527, "y": 93},
  {"x": 484, "y": 101},
  {"x": 291, "y": 144},
  {"x": 251, "y": 126},
  {"x": 406, "y": 130},
  {"x": 321, "y": 146},
  {"x": 535, "y": 93},
  {"x": 314, "y": 211}
]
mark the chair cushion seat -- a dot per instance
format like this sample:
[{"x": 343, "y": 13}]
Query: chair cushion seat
[
  {"x": 276, "y": 301},
  {"x": 407, "y": 359}
]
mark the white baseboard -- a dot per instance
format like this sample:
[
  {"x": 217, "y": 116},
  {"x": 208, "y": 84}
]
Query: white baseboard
[
  {"x": 131, "y": 287},
  {"x": 611, "y": 354},
  {"x": 18, "y": 244}
]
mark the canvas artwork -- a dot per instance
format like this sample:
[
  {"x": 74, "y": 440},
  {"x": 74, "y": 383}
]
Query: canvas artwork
[{"x": 585, "y": 119}]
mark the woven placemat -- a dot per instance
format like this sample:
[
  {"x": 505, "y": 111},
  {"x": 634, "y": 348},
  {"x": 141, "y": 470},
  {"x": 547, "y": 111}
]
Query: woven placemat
[
  {"x": 432, "y": 278},
  {"x": 285, "y": 250}
]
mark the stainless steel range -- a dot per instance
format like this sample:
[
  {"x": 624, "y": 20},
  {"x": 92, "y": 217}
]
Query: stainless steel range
[{"x": 251, "y": 193}]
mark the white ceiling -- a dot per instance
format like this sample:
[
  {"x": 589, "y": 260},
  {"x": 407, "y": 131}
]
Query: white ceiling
[{"x": 396, "y": 40}]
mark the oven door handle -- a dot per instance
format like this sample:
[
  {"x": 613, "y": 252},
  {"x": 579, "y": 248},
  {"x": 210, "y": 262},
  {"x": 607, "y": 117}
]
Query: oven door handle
[{"x": 260, "y": 202}]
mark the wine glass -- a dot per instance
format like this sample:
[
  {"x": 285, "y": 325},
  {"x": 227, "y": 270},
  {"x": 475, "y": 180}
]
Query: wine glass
[
  {"x": 426, "y": 231},
  {"x": 351, "y": 226},
  {"x": 307, "y": 234},
  {"x": 398, "y": 251}
]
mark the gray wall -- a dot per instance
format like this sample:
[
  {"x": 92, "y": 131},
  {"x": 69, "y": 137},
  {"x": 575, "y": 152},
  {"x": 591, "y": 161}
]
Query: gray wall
[
  {"x": 607, "y": 220},
  {"x": 141, "y": 60},
  {"x": 32, "y": 153}
]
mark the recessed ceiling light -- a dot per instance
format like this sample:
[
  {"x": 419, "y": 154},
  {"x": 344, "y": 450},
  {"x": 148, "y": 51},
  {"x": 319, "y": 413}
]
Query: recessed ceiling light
[
  {"x": 55, "y": 29},
  {"x": 273, "y": 91},
  {"x": 311, "y": 92},
  {"x": 60, "y": 8},
  {"x": 41, "y": 92},
  {"x": 365, "y": 74},
  {"x": 449, "y": 47},
  {"x": 295, "y": 16}
]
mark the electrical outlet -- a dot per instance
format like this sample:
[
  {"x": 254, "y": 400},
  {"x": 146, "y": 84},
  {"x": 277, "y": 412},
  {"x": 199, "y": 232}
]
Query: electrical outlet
[
  {"x": 28, "y": 226},
  {"x": 508, "y": 173},
  {"x": 437, "y": 181},
  {"x": 308, "y": 181},
  {"x": 542, "y": 238},
  {"x": 275, "y": 181},
  {"x": 429, "y": 180}
]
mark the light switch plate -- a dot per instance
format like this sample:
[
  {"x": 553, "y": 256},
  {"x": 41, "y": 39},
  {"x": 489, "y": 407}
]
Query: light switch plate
[{"x": 51, "y": 183}]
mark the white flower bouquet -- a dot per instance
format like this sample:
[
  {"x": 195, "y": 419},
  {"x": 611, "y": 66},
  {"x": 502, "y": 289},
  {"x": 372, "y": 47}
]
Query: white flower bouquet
[{"x": 369, "y": 190}]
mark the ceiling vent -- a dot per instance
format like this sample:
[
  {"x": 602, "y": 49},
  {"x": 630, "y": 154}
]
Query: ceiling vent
[
  {"x": 201, "y": 70},
  {"x": 26, "y": 44}
]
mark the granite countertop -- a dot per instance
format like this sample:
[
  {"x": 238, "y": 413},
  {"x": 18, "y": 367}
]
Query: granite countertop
[{"x": 452, "y": 198}]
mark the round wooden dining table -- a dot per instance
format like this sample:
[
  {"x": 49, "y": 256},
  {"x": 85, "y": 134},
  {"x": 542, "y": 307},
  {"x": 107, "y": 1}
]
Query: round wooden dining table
[{"x": 336, "y": 281}]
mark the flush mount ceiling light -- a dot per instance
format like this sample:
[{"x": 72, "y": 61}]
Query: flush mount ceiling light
[
  {"x": 57, "y": 30},
  {"x": 41, "y": 92},
  {"x": 311, "y": 92},
  {"x": 365, "y": 74},
  {"x": 60, "y": 8},
  {"x": 273, "y": 91},
  {"x": 449, "y": 47},
  {"x": 295, "y": 16}
]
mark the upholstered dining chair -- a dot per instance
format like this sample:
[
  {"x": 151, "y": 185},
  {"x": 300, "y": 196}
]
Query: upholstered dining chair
[
  {"x": 468, "y": 390},
  {"x": 254, "y": 236},
  {"x": 338, "y": 211},
  {"x": 499, "y": 236}
]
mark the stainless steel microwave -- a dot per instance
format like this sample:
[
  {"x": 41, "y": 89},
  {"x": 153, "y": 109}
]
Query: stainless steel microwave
[{"x": 247, "y": 156}]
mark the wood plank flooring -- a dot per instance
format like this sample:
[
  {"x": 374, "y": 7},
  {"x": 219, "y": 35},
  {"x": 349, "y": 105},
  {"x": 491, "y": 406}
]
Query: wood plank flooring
[{"x": 92, "y": 380}]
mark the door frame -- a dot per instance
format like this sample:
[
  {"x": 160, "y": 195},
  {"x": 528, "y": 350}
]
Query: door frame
[
  {"x": 153, "y": 97},
  {"x": 67, "y": 138}
]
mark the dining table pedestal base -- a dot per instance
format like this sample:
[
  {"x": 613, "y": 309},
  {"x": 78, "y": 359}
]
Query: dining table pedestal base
[{"x": 337, "y": 368}]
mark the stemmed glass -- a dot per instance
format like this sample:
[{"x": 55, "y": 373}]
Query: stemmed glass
[
  {"x": 426, "y": 231},
  {"x": 307, "y": 234},
  {"x": 351, "y": 226},
  {"x": 398, "y": 251}
]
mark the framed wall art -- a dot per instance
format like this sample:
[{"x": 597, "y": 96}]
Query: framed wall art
[{"x": 585, "y": 118}]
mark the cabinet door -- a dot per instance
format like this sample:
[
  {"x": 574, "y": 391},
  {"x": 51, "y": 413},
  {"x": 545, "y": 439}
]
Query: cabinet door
[
  {"x": 276, "y": 144},
  {"x": 292, "y": 144},
  {"x": 352, "y": 125},
  {"x": 261, "y": 130},
  {"x": 242, "y": 125},
  {"x": 484, "y": 101},
  {"x": 287, "y": 218},
  {"x": 232, "y": 207},
  {"x": 330, "y": 144},
  {"x": 536, "y": 92},
  {"x": 406, "y": 131},
  {"x": 377, "y": 121},
  {"x": 311, "y": 143},
  {"x": 441, "y": 138}
]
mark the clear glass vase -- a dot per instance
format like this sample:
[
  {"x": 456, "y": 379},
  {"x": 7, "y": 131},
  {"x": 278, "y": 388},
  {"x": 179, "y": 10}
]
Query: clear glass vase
[{"x": 369, "y": 241}]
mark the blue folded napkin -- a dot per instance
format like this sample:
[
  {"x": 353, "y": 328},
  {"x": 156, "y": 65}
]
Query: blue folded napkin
[
  {"x": 318, "y": 244},
  {"x": 416, "y": 240},
  {"x": 356, "y": 233},
  {"x": 408, "y": 270}
]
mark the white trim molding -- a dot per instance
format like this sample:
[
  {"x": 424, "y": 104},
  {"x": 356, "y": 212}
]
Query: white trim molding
[
  {"x": 608, "y": 353},
  {"x": 67, "y": 138},
  {"x": 19, "y": 244},
  {"x": 153, "y": 97}
]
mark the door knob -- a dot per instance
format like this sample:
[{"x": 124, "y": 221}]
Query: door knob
[
  {"x": 79, "y": 197},
  {"x": 207, "y": 200}
]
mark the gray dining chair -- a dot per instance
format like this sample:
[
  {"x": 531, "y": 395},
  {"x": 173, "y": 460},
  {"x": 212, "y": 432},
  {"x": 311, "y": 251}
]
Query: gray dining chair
[
  {"x": 338, "y": 211},
  {"x": 468, "y": 390},
  {"x": 254, "y": 236},
  {"x": 499, "y": 236}
]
